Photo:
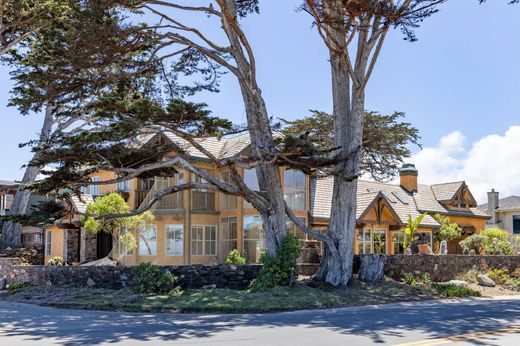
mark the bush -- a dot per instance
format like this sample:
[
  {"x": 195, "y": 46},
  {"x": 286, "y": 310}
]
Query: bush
[
  {"x": 473, "y": 242},
  {"x": 278, "y": 270},
  {"x": 56, "y": 261},
  {"x": 450, "y": 290},
  {"x": 150, "y": 278},
  {"x": 412, "y": 279},
  {"x": 500, "y": 276},
  {"x": 409, "y": 279},
  {"x": 496, "y": 242},
  {"x": 513, "y": 284},
  {"x": 234, "y": 257},
  {"x": 15, "y": 286},
  {"x": 469, "y": 276}
]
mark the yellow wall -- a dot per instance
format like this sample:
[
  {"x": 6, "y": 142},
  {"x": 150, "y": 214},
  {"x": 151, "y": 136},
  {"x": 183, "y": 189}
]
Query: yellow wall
[{"x": 57, "y": 238}]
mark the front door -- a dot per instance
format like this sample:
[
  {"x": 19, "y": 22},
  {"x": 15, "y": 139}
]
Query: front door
[{"x": 104, "y": 244}]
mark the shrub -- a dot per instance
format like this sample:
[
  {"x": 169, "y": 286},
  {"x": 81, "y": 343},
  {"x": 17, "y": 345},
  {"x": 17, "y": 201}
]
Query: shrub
[
  {"x": 425, "y": 278},
  {"x": 469, "y": 276},
  {"x": 448, "y": 230},
  {"x": 500, "y": 276},
  {"x": 516, "y": 273},
  {"x": 473, "y": 242},
  {"x": 496, "y": 242},
  {"x": 278, "y": 270},
  {"x": 234, "y": 257},
  {"x": 513, "y": 284},
  {"x": 409, "y": 279},
  {"x": 150, "y": 278},
  {"x": 450, "y": 290},
  {"x": 56, "y": 261},
  {"x": 15, "y": 286}
]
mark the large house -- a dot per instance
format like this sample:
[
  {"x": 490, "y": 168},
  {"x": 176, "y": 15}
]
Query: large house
[
  {"x": 504, "y": 212},
  {"x": 202, "y": 227}
]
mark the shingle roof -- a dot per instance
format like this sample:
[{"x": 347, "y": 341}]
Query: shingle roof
[
  {"x": 446, "y": 191},
  {"x": 402, "y": 202},
  {"x": 80, "y": 204},
  {"x": 511, "y": 202}
]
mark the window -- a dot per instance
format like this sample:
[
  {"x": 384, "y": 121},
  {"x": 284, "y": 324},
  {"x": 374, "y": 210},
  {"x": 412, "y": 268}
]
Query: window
[
  {"x": 123, "y": 186},
  {"x": 294, "y": 189},
  {"x": 398, "y": 238},
  {"x": 122, "y": 248},
  {"x": 203, "y": 240},
  {"x": 48, "y": 243},
  {"x": 364, "y": 241},
  {"x": 228, "y": 236},
  {"x": 251, "y": 181},
  {"x": 202, "y": 199},
  {"x": 254, "y": 239},
  {"x": 371, "y": 241},
  {"x": 174, "y": 240},
  {"x": 147, "y": 184},
  {"x": 379, "y": 241},
  {"x": 148, "y": 241},
  {"x": 294, "y": 230},
  {"x": 92, "y": 189},
  {"x": 516, "y": 224},
  {"x": 227, "y": 202}
]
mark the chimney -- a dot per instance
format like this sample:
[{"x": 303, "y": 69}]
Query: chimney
[
  {"x": 408, "y": 174},
  {"x": 492, "y": 205}
]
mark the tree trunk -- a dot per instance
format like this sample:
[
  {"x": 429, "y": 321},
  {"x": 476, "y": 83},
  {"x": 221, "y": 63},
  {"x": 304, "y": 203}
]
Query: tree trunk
[
  {"x": 372, "y": 267},
  {"x": 348, "y": 134},
  {"x": 262, "y": 143},
  {"x": 12, "y": 232}
]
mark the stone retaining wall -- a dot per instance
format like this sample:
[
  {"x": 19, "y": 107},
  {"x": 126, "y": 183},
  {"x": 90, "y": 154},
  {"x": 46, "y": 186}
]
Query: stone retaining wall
[
  {"x": 445, "y": 268},
  {"x": 190, "y": 276}
]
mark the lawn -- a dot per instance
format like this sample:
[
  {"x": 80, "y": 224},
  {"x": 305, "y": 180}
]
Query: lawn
[{"x": 300, "y": 296}]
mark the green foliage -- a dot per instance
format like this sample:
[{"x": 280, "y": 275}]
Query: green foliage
[
  {"x": 413, "y": 279},
  {"x": 56, "y": 261},
  {"x": 280, "y": 269},
  {"x": 513, "y": 284},
  {"x": 473, "y": 242},
  {"x": 150, "y": 278},
  {"x": 450, "y": 290},
  {"x": 234, "y": 257},
  {"x": 385, "y": 139},
  {"x": 499, "y": 275},
  {"x": 42, "y": 213},
  {"x": 16, "y": 286},
  {"x": 469, "y": 276},
  {"x": 496, "y": 242},
  {"x": 114, "y": 204},
  {"x": 412, "y": 226},
  {"x": 448, "y": 230}
]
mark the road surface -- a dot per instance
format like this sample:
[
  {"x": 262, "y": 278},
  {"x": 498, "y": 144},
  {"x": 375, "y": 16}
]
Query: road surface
[{"x": 456, "y": 322}]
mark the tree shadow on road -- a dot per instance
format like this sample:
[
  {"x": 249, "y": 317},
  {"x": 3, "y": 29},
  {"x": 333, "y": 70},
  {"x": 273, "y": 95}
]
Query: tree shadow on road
[{"x": 376, "y": 324}]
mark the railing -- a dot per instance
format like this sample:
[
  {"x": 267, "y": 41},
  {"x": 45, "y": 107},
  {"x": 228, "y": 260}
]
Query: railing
[
  {"x": 173, "y": 201},
  {"x": 202, "y": 200}
]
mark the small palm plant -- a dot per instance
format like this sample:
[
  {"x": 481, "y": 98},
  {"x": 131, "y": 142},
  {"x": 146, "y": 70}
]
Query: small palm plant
[{"x": 412, "y": 227}]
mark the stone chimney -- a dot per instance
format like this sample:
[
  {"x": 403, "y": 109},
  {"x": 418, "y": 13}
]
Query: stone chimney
[
  {"x": 493, "y": 204},
  {"x": 408, "y": 174}
]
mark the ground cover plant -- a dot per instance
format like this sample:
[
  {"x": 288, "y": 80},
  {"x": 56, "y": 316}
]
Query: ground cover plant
[
  {"x": 444, "y": 289},
  {"x": 299, "y": 296}
]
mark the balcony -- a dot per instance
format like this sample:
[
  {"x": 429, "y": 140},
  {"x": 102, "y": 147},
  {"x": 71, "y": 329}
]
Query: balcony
[
  {"x": 203, "y": 200},
  {"x": 173, "y": 201}
]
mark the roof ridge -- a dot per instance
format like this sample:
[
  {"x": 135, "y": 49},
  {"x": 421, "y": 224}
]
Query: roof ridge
[{"x": 449, "y": 182}]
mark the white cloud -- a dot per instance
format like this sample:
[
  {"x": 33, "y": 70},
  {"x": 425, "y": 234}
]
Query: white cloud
[{"x": 492, "y": 162}]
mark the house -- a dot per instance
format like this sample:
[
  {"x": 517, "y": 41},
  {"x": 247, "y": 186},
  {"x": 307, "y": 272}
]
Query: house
[
  {"x": 202, "y": 227},
  {"x": 31, "y": 235},
  {"x": 504, "y": 212}
]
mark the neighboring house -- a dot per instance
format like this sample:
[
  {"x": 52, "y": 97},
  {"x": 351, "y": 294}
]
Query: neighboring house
[
  {"x": 202, "y": 227},
  {"x": 504, "y": 213},
  {"x": 32, "y": 236}
]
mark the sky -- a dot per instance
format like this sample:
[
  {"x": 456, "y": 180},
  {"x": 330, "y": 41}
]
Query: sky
[{"x": 458, "y": 84}]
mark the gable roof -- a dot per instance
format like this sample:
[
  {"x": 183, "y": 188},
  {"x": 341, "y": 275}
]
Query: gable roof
[
  {"x": 508, "y": 203},
  {"x": 402, "y": 203},
  {"x": 80, "y": 203},
  {"x": 446, "y": 191}
]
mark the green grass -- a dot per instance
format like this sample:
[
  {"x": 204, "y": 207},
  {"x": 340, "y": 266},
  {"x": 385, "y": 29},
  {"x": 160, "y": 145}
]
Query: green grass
[
  {"x": 450, "y": 290},
  {"x": 224, "y": 300}
]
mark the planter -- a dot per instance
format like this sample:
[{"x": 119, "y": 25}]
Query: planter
[{"x": 423, "y": 249}]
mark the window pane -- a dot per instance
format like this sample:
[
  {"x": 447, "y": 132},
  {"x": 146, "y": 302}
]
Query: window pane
[
  {"x": 294, "y": 189},
  {"x": 148, "y": 241},
  {"x": 254, "y": 241},
  {"x": 379, "y": 241},
  {"x": 174, "y": 240},
  {"x": 398, "y": 240}
]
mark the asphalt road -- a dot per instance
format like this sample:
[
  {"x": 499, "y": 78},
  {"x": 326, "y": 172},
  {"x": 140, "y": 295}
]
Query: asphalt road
[{"x": 466, "y": 321}]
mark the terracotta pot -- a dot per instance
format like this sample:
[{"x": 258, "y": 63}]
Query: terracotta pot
[{"x": 423, "y": 249}]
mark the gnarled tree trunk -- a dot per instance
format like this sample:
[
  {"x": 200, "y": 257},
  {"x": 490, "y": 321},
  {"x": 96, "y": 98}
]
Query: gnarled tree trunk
[
  {"x": 372, "y": 267},
  {"x": 12, "y": 232}
]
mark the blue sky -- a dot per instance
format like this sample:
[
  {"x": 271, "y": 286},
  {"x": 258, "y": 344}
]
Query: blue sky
[{"x": 462, "y": 76}]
